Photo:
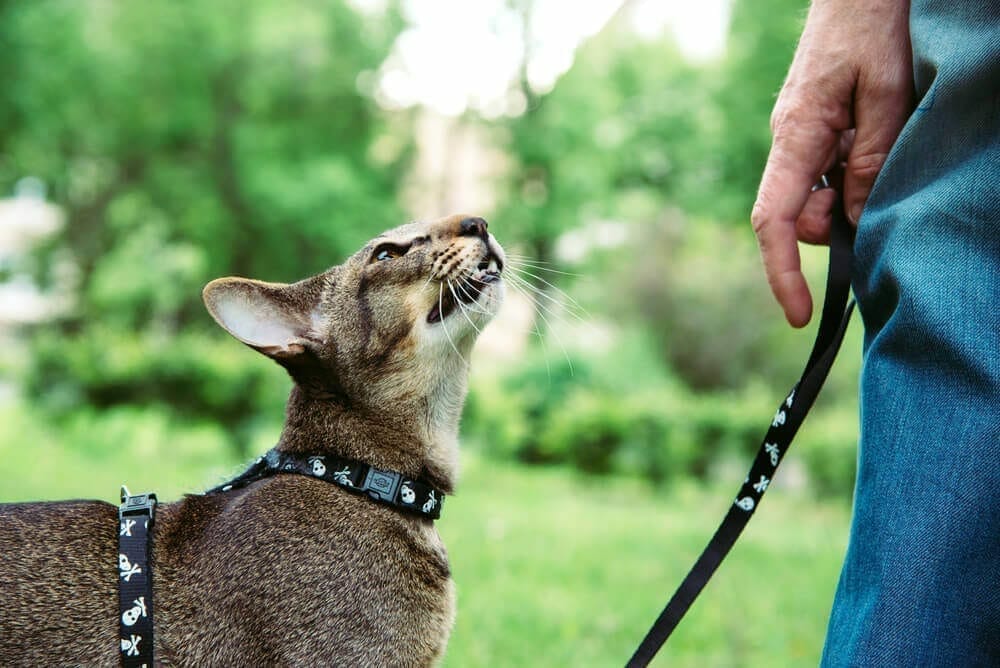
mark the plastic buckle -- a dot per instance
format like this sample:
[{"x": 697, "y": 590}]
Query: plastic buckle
[
  {"x": 382, "y": 485},
  {"x": 138, "y": 504}
]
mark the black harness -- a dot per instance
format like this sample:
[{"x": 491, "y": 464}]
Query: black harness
[
  {"x": 135, "y": 580},
  {"x": 137, "y": 513}
]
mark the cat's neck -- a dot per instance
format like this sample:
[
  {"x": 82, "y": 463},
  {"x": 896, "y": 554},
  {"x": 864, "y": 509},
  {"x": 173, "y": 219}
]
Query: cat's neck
[{"x": 397, "y": 440}]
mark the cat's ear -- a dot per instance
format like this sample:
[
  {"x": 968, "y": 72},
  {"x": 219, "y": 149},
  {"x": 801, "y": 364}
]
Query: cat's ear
[{"x": 277, "y": 319}]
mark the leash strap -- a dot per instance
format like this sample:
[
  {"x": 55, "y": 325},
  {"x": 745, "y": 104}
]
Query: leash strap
[
  {"x": 787, "y": 419},
  {"x": 135, "y": 579},
  {"x": 387, "y": 487}
]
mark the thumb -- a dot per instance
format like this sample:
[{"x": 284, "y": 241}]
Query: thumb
[{"x": 880, "y": 110}]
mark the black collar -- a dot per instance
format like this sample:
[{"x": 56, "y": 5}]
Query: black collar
[{"x": 411, "y": 495}]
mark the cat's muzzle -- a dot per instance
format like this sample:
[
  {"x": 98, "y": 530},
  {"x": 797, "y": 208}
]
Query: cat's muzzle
[{"x": 466, "y": 290}]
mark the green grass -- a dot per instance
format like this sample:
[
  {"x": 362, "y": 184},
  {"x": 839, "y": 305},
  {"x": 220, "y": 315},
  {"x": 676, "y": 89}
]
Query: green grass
[{"x": 552, "y": 568}]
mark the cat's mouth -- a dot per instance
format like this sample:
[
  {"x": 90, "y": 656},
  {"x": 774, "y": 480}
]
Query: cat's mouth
[{"x": 465, "y": 290}]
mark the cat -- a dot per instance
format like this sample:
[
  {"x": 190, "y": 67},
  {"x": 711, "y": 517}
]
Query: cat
[{"x": 289, "y": 569}]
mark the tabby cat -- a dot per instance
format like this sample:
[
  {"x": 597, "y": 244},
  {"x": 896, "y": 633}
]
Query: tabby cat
[{"x": 291, "y": 569}]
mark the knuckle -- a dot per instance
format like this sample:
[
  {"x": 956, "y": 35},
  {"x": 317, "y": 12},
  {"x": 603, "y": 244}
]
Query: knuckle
[
  {"x": 783, "y": 117},
  {"x": 759, "y": 216}
]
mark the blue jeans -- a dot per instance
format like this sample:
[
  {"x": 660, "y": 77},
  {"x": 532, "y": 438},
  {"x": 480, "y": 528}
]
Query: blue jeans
[{"x": 921, "y": 581}]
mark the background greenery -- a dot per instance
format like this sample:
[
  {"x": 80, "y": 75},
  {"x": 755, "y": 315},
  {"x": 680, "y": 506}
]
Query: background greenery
[{"x": 183, "y": 143}]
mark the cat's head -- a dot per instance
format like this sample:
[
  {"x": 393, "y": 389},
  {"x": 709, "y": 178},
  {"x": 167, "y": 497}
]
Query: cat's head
[{"x": 394, "y": 323}]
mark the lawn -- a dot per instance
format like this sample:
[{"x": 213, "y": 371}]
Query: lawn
[{"x": 552, "y": 568}]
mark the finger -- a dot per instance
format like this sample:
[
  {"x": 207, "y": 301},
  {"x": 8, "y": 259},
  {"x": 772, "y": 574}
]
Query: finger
[
  {"x": 813, "y": 224},
  {"x": 845, "y": 144},
  {"x": 881, "y": 107},
  {"x": 799, "y": 153}
]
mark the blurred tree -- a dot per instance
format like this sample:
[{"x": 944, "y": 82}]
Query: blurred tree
[
  {"x": 187, "y": 141},
  {"x": 759, "y": 49},
  {"x": 633, "y": 130},
  {"x": 625, "y": 118}
]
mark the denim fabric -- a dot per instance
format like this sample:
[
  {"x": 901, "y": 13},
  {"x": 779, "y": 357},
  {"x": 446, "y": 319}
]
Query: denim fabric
[{"x": 921, "y": 581}]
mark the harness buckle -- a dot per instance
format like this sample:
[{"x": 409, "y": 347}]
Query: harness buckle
[
  {"x": 138, "y": 504},
  {"x": 381, "y": 485}
]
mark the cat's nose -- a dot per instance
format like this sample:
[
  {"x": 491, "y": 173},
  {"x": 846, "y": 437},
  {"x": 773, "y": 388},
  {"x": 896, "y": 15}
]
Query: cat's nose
[{"x": 473, "y": 227}]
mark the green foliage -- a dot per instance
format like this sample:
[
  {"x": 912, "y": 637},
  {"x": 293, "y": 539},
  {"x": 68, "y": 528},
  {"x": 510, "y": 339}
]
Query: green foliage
[
  {"x": 188, "y": 374},
  {"x": 241, "y": 138},
  {"x": 187, "y": 141},
  {"x": 712, "y": 325},
  {"x": 759, "y": 50},
  {"x": 92, "y": 452},
  {"x": 633, "y": 119},
  {"x": 829, "y": 451},
  {"x": 582, "y": 148},
  {"x": 620, "y": 411}
]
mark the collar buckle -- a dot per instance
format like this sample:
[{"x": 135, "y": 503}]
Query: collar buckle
[
  {"x": 137, "y": 504},
  {"x": 381, "y": 485}
]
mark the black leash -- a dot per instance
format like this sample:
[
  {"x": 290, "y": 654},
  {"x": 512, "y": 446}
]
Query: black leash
[
  {"x": 786, "y": 422},
  {"x": 135, "y": 579}
]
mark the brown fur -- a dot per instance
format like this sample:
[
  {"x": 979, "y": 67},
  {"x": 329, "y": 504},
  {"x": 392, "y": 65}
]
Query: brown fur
[{"x": 289, "y": 570}]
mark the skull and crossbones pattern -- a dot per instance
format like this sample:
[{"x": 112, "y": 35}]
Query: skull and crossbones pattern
[
  {"x": 130, "y": 646},
  {"x": 430, "y": 503},
  {"x": 138, "y": 609},
  {"x": 127, "y": 568},
  {"x": 343, "y": 476}
]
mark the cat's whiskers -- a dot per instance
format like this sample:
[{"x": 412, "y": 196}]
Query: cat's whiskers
[
  {"x": 472, "y": 300},
  {"x": 444, "y": 322},
  {"x": 538, "y": 295},
  {"x": 523, "y": 286},
  {"x": 535, "y": 294},
  {"x": 576, "y": 305},
  {"x": 539, "y": 265},
  {"x": 458, "y": 302}
]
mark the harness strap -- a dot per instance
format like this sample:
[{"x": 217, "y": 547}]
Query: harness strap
[
  {"x": 787, "y": 419},
  {"x": 135, "y": 579}
]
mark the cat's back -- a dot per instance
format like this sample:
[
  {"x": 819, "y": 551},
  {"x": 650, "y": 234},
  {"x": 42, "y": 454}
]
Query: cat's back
[
  {"x": 57, "y": 573},
  {"x": 356, "y": 583}
]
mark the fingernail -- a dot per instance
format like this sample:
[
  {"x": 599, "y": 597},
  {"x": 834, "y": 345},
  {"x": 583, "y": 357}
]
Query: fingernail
[{"x": 855, "y": 212}]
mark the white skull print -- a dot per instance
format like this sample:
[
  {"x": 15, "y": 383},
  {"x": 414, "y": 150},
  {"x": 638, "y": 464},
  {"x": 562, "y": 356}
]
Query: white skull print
[
  {"x": 407, "y": 493},
  {"x": 138, "y": 609},
  {"x": 318, "y": 467}
]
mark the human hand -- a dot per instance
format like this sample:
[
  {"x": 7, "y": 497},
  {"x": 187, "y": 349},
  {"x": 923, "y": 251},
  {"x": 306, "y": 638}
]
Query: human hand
[{"x": 847, "y": 95}]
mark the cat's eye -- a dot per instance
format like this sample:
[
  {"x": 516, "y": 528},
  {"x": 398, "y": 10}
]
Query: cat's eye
[{"x": 388, "y": 252}]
